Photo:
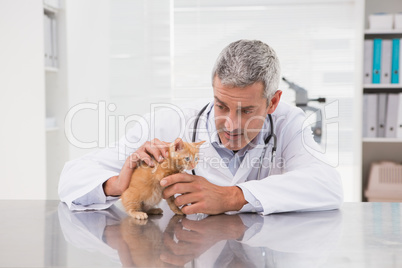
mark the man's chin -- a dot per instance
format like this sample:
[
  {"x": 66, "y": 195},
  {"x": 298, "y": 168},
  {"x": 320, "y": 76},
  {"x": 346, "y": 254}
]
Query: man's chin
[
  {"x": 238, "y": 148},
  {"x": 234, "y": 145}
]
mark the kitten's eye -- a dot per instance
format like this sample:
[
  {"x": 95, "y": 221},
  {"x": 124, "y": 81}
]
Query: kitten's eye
[
  {"x": 196, "y": 159},
  {"x": 187, "y": 158}
]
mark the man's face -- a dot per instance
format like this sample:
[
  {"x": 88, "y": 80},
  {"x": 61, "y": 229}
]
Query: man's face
[{"x": 239, "y": 113}]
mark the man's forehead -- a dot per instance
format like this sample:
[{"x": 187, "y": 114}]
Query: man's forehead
[{"x": 239, "y": 103}]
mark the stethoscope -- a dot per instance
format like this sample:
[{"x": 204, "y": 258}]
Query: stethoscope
[{"x": 271, "y": 134}]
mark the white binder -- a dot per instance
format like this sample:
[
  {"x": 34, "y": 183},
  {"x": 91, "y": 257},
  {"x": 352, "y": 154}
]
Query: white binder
[
  {"x": 368, "y": 62},
  {"x": 55, "y": 62},
  {"x": 52, "y": 3},
  {"x": 382, "y": 114},
  {"x": 399, "y": 118},
  {"x": 48, "y": 42},
  {"x": 386, "y": 61},
  {"x": 392, "y": 116},
  {"x": 370, "y": 116},
  {"x": 365, "y": 115}
]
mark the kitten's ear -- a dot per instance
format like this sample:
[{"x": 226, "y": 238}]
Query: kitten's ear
[
  {"x": 198, "y": 144},
  {"x": 177, "y": 145}
]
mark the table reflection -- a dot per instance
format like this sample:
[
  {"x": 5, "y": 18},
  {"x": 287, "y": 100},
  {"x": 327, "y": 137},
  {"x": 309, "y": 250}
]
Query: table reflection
[{"x": 240, "y": 240}]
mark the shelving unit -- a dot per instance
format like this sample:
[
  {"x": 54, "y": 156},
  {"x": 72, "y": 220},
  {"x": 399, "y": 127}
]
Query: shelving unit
[
  {"x": 57, "y": 150},
  {"x": 380, "y": 149}
]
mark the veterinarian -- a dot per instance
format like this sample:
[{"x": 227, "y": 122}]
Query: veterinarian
[{"x": 258, "y": 157}]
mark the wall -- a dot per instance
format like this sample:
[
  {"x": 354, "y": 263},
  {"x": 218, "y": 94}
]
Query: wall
[
  {"x": 87, "y": 37},
  {"x": 22, "y": 96}
]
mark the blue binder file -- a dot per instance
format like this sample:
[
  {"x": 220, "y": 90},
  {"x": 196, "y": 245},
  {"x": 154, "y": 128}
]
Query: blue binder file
[
  {"x": 377, "y": 61},
  {"x": 395, "y": 61}
]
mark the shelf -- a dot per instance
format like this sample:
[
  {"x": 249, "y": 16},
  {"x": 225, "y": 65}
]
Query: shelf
[
  {"x": 382, "y": 140},
  {"x": 51, "y": 69},
  {"x": 381, "y": 32},
  {"x": 50, "y": 9},
  {"x": 382, "y": 88}
]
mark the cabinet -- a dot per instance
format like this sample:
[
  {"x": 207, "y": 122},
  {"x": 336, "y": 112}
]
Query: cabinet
[{"x": 380, "y": 149}]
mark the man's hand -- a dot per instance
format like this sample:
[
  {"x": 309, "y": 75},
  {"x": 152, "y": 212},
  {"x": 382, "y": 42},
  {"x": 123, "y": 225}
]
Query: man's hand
[
  {"x": 200, "y": 196},
  {"x": 148, "y": 152}
]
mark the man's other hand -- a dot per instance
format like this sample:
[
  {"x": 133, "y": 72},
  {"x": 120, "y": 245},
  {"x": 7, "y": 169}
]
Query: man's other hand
[{"x": 200, "y": 196}]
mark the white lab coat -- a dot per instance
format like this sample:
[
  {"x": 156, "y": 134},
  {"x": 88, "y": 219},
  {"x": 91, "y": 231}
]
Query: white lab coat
[{"x": 299, "y": 181}]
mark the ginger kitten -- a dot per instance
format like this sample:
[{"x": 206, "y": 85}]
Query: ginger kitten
[{"x": 144, "y": 191}]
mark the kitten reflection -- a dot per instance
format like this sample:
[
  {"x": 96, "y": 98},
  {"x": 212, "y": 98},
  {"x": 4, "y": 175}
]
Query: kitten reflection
[{"x": 144, "y": 243}]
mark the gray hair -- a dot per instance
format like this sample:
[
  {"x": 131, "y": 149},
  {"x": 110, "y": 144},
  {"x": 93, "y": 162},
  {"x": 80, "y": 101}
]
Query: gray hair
[{"x": 245, "y": 62}]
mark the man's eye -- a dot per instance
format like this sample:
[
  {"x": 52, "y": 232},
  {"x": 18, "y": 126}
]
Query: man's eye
[
  {"x": 220, "y": 107},
  {"x": 247, "y": 111},
  {"x": 187, "y": 158}
]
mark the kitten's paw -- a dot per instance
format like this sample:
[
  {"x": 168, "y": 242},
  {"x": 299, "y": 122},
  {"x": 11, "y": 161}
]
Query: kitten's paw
[
  {"x": 137, "y": 222},
  {"x": 155, "y": 211},
  {"x": 138, "y": 215},
  {"x": 179, "y": 212}
]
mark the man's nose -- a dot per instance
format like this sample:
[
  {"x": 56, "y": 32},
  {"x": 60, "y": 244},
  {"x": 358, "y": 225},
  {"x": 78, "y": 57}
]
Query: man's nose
[{"x": 232, "y": 121}]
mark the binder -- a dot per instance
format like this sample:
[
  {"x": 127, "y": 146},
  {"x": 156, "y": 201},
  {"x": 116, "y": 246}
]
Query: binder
[
  {"x": 392, "y": 116},
  {"x": 44, "y": 35},
  {"x": 365, "y": 115},
  {"x": 52, "y": 3},
  {"x": 48, "y": 41},
  {"x": 381, "y": 117},
  {"x": 400, "y": 59},
  {"x": 399, "y": 118},
  {"x": 386, "y": 57},
  {"x": 370, "y": 116},
  {"x": 55, "y": 62},
  {"x": 377, "y": 61},
  {"x": 368, "y": 61},
  {"x": 395, "y": 61}
]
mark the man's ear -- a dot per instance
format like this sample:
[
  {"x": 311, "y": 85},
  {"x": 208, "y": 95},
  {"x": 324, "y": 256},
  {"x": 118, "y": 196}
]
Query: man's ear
[{"x": 274, "y": 101}]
